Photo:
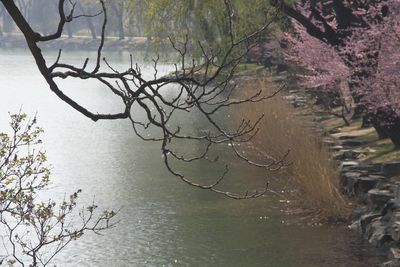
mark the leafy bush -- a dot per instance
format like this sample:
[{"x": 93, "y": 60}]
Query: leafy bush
[{"x": 35, "y": 231}]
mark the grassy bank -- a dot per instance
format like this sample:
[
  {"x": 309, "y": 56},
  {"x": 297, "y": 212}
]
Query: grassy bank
[
  {"x": 312, "y": 172},
  {"x": 373, "y": 150}
]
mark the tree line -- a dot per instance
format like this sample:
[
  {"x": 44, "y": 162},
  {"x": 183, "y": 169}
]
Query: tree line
[{"x": 42, "y": 14}]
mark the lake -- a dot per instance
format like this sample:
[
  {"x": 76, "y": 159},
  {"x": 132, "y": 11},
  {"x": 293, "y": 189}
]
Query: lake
[{"x": 163, "y": 222}]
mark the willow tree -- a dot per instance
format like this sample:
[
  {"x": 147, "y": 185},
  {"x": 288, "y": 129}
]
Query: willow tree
[
  {"x": 205, "y": 20},
  {"x": 203, "y": 85}
]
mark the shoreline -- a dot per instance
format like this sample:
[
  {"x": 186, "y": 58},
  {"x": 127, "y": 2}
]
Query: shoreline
[
  {"x": 372, "y": 187},
  {"x": 80, "y": 42}
]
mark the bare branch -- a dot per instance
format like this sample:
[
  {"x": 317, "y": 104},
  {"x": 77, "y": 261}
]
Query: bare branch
[{"x": 205, "y": 86}]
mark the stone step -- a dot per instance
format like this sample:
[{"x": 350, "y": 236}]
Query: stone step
[
  {"x": 391, "y": 169},
  {"x": 378, "y": 198},
  {"x": 369, "y": 168},
  {"x": 364, "y": 184},
  {"x": 347, "y": 154},
  {"x": 352, "y": 142},
  {"x": 347, "y": 137}
]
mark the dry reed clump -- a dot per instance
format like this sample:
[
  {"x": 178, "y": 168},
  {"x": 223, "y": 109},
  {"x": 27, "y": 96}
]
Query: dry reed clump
[{"x": 313, "y": 172}]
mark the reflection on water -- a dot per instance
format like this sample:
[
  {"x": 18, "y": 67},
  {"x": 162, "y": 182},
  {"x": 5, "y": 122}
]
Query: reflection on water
[{"x": 163, "y": 221}]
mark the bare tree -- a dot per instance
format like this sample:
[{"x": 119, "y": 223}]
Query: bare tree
[
  {"x": 198, "y": 85},
  {"x": 36, "y": 231}
]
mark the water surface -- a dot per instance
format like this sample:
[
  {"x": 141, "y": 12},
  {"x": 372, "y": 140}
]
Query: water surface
[{"x": 163, "y": 221}]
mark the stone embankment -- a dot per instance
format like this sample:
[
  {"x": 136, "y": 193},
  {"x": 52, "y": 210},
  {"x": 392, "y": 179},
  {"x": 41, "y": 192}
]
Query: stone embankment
[
  {"x": 374, "y": 188},
  {"x": 377, "y": 189}
]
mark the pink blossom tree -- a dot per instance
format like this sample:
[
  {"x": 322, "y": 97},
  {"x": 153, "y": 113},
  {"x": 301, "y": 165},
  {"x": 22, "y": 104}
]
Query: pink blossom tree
[
  {"x": 365, "y": 36},
  {"x": 380, "y": 91},
  {"x": 325, "y": 68}
]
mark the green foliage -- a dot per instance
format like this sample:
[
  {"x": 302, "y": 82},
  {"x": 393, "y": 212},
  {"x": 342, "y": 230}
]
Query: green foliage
[
  {"x": 205, "y": 20},
  {"x": 36, "y": 230}
]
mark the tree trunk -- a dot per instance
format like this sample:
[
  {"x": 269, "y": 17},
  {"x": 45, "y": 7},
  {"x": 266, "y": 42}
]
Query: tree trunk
[
  {"x": 380, "y": 130},
  {"x": 91, "y": 28},
  {"x": 69, "y": 30},
  {"x": 393, "y": 131},
  {"x": 121, "y": 29},
  {"x": 8, "y": 24},
  {"x": 387, "y": 125},
  {"x": 1, "y": 14},
  {"x": 89, "y": 22},
  {"x": 119, "y": 12}
]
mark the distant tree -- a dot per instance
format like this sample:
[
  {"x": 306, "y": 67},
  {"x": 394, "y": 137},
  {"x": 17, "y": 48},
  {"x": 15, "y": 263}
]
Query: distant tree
[
  {"x": 7, "y": 22},
  {"x": 203, "y": 85},
  {"x": 42, "y": 15},
  {"x": 205, "y": 19},
  {"x": 119, "y": 9},
  {"x": 87, "y": 7},
  {"x": 36, "y": 231},
  {"x": 2, "y": 11},
  {"x": 136, "y": 13}
]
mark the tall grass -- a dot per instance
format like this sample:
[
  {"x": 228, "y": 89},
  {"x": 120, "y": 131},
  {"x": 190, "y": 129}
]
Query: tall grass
[{"x": 313, "y": 173}]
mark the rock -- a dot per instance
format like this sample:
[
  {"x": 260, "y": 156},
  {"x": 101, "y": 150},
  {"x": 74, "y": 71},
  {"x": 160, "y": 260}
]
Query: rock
[
  {"x": 370, "y": 150},
  {"x": 352, "y": 174},
  {"x": 347, "y": 137},
  {"x": 387, "y": 185},
  {"x": 394, "y": 253},
  {"x": 395, "y": 189},
  {"x": 301, "y": 99},
  {"x": 328, "y": 142},
  {"x": 390, "y": 209},
  {"x": 352, "y": 154},
  {"x": 298, "y": 104},
  {"x": 352, "y": 142},
  {"x": 357, "y": 214},
  {"x": 356, "y": 183},
  {"x": 290, "y": 97},
  {"x": 378, "y": 198},
  {"x": 392, "y": 263},
  {"x": 348, "y": 165},
  {"x": 378, "y": 176},
  {"x": 338, "y": 155},
  {"x": 349, "y": 179},
  {"x": 391, "y": 169},
  {"x": 366, "y": 219},
  {"x": 376, "y": 233},
  {"x": 364, "y": 184},
  {"x": 336, "y": 148},
  {"x": 346, "y": 154},
  {"x": 367, "y": 168},
  {"x": 395, "y": 231},
  {"x": 356, "y": 226},
  {"x": 334, "y": 130}
]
